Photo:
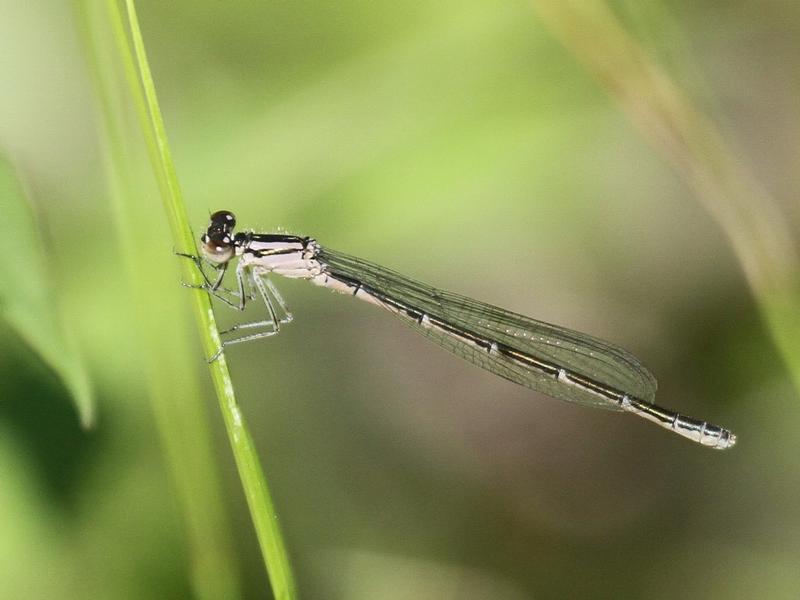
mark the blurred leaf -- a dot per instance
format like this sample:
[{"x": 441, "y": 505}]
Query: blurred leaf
[
  {"x": 32, "y": 541},
  {"x": 700, "y": 153},
  {"x": 685, "y": 135},
  {"x": 27, "y": 299}
]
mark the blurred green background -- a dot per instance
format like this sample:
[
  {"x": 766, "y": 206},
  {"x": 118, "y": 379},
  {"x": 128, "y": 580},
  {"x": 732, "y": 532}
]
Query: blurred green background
[{"x": 460, "y": 143}]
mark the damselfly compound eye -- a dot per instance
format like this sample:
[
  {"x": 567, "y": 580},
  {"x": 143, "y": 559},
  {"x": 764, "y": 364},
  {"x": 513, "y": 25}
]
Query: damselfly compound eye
[
  {"x": 222, "y": 220},
  {"x": 217, "y": 247}
]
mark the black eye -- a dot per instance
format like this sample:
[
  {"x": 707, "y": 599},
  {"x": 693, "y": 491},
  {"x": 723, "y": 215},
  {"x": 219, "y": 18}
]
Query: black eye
[{"x": 223, "y": 220}]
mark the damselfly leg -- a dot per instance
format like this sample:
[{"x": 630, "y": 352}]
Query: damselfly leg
[
  {"x": 250, "y": 283},
  {"x": 213, "y": 285},
  {"x": 271, "y": 297}
]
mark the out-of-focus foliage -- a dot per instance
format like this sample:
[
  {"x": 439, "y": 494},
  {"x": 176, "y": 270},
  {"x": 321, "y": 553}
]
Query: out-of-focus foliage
[
  {"x": 28, "y": 299},
  {"x": 460, "y": 143}
]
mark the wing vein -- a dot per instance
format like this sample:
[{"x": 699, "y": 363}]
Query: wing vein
[{"x": 491, "y": 337}]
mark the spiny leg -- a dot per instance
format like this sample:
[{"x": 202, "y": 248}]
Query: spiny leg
[
  {"x": 246, "y": 280},
  {"x": 288, "y": 318},
  {"x": 244, "y": 293},
  {"x": 273, "y": 322},
  {"x": 258, "y": 278},
  {"x": 208, "y": 285},
  {"x": 246, "y": 338},
  {"x": 240, "y": 277},
  {"x": 198, "y": 262},
  {"x": 215, "y": 287}
]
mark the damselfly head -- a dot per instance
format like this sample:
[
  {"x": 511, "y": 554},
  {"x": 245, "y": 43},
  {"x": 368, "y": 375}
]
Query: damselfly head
[
  {"x": 217, "y": 246},
  {"x": 222, "y": 221}
]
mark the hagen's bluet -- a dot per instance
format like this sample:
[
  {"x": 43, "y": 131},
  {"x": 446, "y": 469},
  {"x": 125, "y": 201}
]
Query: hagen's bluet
[{"x": 556, "y": 361}]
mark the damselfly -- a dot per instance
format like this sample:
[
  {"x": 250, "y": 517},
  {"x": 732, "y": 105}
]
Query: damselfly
[{"x": 556, "y": 361}]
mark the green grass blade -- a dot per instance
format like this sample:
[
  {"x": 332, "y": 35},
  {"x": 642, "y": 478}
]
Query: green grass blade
[
  {"x": 27, "y": 297},
  {"x": 165, "y": 359},
  {"x": 699, "y": 153},
  {"x": 253, "y": 481}
]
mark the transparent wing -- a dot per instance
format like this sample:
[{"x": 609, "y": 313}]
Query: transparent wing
[{"x": 600, "y": 361}]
